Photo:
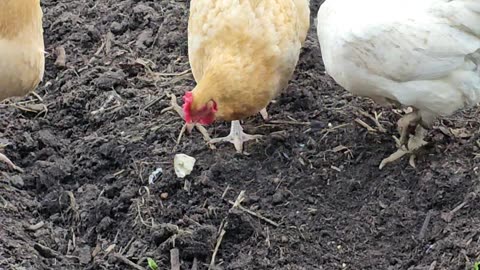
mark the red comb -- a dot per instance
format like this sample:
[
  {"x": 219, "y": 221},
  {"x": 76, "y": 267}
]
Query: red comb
[{"x": 187, "y": 104}]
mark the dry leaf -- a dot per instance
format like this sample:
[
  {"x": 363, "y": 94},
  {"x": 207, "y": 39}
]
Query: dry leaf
[{"x": 461, "y": 133}]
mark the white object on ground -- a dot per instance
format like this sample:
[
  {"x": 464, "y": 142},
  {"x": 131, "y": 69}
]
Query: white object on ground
[
  {"x": 154, "y": 175},
  {"x": 183, "y": 165}
]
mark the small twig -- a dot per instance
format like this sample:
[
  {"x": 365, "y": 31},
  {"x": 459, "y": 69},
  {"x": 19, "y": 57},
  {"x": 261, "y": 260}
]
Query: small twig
[
  {"x": 175, "y": 259},
  {"x": 217, "y": 245},
  {"x": 37, "y": 96},
  {"x": 289, "y": 122},
  {"x": 153, "y": 102},
  {"x": 173, "y": 106},
  {"x": 127, "y": 261},
  {"x": 365, "y": 125},
  {"x": 45, "y": 251},
  {"x": 326, "y": 132},
  {"x": 236, "y": 204},
  {"x": 10, "y": 164},
  {"x": 426, "y": 222},
  {"x": 267, "y": 240},
  {"x": 99, "y": 50},
  {"x": 160, "y": 74},
  {"x": 103, "y": 107},
  {"x": 195, "y": 264},
  {"x": 109, "y": 249},
  {"x": 35, "y": 227},
  {"x": 449, "y": 216},
  {"x": 374, "y": 119},
  {"x": 225, "y": 191},
  {"x": 222, "y": 227},
  {"x": 238, "y": 201}
]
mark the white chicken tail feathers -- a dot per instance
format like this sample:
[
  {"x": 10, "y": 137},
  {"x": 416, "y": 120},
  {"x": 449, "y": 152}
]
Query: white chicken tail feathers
[
  {"x": 473, "y": 5},
  {"x": 464, "y": 14}
]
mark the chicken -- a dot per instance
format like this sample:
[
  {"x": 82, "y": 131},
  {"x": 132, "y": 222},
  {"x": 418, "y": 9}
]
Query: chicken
[
  {"x": 421, "y": 54},
  {"x": 22, "y": 58},
  {"x": 242, "y": 54}
]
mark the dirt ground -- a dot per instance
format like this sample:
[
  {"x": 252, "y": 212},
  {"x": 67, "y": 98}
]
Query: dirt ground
[{"x": 84, "y": 201}]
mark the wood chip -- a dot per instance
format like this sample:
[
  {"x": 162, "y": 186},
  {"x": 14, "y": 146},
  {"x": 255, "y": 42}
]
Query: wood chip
[
  {"x": 127, "y": 261},
  {"x": 45, "y": 251},
  {"x": 426, "y": 222},
  {"x": 35, "y": 227},
  {"x": 61, "y": 57},
  {"x": 175, "y": 259}
]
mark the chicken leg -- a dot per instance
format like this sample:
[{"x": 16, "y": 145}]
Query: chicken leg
[
  {"x": 236, "y": 136},
  {"x": 405, "y": 124}
]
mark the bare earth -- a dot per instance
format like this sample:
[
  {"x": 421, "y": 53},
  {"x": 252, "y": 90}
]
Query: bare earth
[{"x": 87, "y": 163}]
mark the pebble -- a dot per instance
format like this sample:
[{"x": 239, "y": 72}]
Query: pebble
[
  {"x": 278, "y": 197},
  {"x": 17, "y": 181}
]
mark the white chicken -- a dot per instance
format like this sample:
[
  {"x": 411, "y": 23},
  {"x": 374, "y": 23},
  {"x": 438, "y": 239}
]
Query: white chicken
[{"x": 419, "y": 53}]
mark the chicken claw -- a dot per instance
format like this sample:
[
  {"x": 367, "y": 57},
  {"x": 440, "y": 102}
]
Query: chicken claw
[
  {"x": 236, "y": 136},
  {"x": 403, "y": 125},
  {"x": 414, "y": 144},
  {"x": 10, "y": 164}
]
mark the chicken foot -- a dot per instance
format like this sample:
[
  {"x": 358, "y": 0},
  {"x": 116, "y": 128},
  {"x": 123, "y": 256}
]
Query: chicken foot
[
  {"x": 414, "y": 143},
  {"x": 237, "y": 137},
  {"x": 405, "y": 124},
  {"x": 10, "y": 164},
  {"x": 408, "y": 144}
]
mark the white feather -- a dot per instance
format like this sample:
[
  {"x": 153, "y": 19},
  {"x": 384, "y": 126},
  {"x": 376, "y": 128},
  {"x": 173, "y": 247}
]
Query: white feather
[{"x": 419, "y": 53}]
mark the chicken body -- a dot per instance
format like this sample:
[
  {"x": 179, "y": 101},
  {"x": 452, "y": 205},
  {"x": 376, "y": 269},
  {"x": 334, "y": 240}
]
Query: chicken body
[
  {"x": 22, "y": 49},
  {"x": 424, "y": 54},
  {"x": 242, "y": 54}
]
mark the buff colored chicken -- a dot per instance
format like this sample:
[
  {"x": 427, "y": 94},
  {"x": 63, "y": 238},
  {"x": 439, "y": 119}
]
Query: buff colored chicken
[
  {"x": 242, "y": 54},
  {"x": 419, "y": 53},
  {"x": 22, "y": 57}
]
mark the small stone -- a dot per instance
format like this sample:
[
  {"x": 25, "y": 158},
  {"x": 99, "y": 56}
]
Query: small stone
[
  {"x": 104, "y": 224},
  {"x": 254, "y": 198},
  {"x": 84, "y": 254},
  {"x": 284, "y": 239},
  {"x": 117, "y": 28},
  {"x": 164, "y": 196},
  {"x": 277, "y": 197},
  {"x": 17, "y": 181}
]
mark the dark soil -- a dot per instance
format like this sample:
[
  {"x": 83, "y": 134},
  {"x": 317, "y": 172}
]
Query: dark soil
[{"x": 87, "y": 168}]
